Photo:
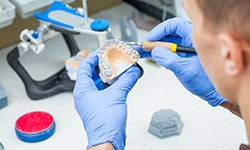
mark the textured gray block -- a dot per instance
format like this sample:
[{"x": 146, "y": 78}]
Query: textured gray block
[
  {"x": 3, "y": 97},
  {"x": 165, "y": 123}
]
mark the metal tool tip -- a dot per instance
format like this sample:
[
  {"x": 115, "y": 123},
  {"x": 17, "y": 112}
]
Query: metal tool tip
[
  {"x": 133, "y": 43},
  {"x": 130, "y": 43}
]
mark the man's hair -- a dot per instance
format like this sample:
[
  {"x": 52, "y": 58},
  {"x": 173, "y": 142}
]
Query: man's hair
[{"x": 233, "y": 15}]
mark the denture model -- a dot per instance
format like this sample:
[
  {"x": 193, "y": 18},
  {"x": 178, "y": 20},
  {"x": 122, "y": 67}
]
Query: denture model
[
  {"x": 73, "y": 63},
  {"x": 115, "y": 57}
]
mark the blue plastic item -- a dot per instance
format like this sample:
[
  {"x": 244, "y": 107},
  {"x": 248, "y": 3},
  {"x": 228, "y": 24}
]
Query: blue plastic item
[
  {"x": 35, "y": 34},
  {"x": 3, "y": 97},
  {"x": 56, "y": 6},
  {"x": 99, "y": 25},
  {"x": 35, "y": 127},
  {"x": 38, "y": 137}
]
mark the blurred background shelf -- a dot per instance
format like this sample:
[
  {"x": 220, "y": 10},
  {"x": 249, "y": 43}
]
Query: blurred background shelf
[
  {"x": 7, "y": 13},
  {"x": 26, "y": 8}
]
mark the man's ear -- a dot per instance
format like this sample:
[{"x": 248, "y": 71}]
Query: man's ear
[{"x": 232, "y": 53}]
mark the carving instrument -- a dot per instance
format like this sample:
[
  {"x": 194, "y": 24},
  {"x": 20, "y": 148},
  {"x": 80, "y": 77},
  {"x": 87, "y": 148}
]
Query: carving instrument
[{"x": 147, "y": 45}]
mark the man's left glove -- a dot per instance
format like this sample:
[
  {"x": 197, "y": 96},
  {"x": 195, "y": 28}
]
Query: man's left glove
[{"x": 103, "y": 111}]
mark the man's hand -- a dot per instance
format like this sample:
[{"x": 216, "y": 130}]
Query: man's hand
[
  {"x": 186, "y": 67},
  {"x": 103, "y": 111}
]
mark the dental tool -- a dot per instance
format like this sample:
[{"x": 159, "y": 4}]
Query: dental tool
[{"x": 147, "y": 45}]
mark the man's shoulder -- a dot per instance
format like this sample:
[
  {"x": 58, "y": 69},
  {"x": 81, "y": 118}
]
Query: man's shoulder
[{"x": 244, "y": 147}]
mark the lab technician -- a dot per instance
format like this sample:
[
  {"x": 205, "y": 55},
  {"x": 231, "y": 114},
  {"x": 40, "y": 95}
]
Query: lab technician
[{"x": 220, "y": 33}]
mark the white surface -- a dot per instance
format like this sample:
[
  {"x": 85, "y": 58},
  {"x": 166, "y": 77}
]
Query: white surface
[{"x": 205, "y": 128}]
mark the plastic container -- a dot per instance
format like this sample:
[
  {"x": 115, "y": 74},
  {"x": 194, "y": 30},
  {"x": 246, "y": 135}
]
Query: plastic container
[
  {"x": 3, "y": 97},
  {"x": 26, "y": 8},
  {"x": 35, "y": 126},
  {"x": 7, "y": 14}
]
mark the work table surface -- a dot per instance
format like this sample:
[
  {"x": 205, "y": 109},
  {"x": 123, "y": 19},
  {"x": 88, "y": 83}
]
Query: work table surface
[{"x": 205, "y": 127}]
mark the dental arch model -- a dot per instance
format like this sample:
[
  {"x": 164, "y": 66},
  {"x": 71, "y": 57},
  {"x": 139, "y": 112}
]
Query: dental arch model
[{"x": 115, "y": 57}]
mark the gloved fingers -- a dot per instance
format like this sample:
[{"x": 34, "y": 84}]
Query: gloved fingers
[
  {"x": 87, "y": 65},
  {"x": 177, "y": 40},
  {"x": 127, "y": 80},
  {"x": 182, "y": 55},
  {"x": 97, "y": 80},
  {"x": 143, "y": 53},
  {"x": 175, "y": 27},
  {"x": 188, "y": 55},
  {"x": 138, "y": 48},
  {"x": 99, "y": 84},
  {"x": 147, "y": 54},
  {"x": 181, "y": 41},
  {"x": 84, "y": 80},
  {"x": 165, "y": 57}
]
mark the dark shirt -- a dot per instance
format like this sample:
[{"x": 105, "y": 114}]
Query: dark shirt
[{"x": 244, "y": 147}]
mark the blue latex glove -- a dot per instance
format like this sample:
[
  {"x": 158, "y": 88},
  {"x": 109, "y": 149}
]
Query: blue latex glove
[
  {"x": 186, "y": 67},
  {"x": 103, "y": 111}
]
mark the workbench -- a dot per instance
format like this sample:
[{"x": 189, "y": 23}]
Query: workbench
[{"x": 205, "y": 127}]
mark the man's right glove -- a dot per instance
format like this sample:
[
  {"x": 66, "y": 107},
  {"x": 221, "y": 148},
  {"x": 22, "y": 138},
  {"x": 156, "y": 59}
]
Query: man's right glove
[{"x": 186, "y": 67}]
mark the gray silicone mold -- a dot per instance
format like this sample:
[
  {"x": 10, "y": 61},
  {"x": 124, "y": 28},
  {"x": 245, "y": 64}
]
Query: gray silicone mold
[{"x": 165, "y": 123}]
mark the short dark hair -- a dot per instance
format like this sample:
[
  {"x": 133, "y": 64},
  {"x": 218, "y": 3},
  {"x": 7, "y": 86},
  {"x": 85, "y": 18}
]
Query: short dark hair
[{"x": 233, "y": 15}]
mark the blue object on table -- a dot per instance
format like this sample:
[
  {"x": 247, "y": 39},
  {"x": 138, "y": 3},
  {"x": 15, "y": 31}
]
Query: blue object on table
[
  {"x": 35, "y": 34},
  {"x": 59, "y": 14},
  {"x": 99, "y": 25},
  {"x": 37, "y": 137},
  {"x": 35, "y": 127}
]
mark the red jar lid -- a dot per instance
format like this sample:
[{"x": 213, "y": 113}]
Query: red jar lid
[{"x": 35, "y": 126}]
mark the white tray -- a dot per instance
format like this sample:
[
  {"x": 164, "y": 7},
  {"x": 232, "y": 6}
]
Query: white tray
[
  {"x": 26, "y": 8},
  {"x": 7, "y": 14}
]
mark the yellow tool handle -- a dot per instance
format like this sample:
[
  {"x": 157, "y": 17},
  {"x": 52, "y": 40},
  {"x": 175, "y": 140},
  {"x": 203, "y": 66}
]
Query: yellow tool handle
[{"x": 147, "y": 45}]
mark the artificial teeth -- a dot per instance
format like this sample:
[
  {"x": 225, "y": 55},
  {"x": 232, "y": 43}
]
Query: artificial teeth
[
  {"x": 120, "y": 45},
  {"x": 101, "y": 60},
  {"x": 116, "y": 42},
  {"x": 129, "y": 50},
  {"x": 135, "y": 54},
  {"x": 105, "y": 46},
  {"x": 112, "y": 42},
  {"x": 108, "y": 72},
  {"x": 102, "y": 49},
  {"x": 99, "y": 55},
  {"x": 105, "y": 65}
]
